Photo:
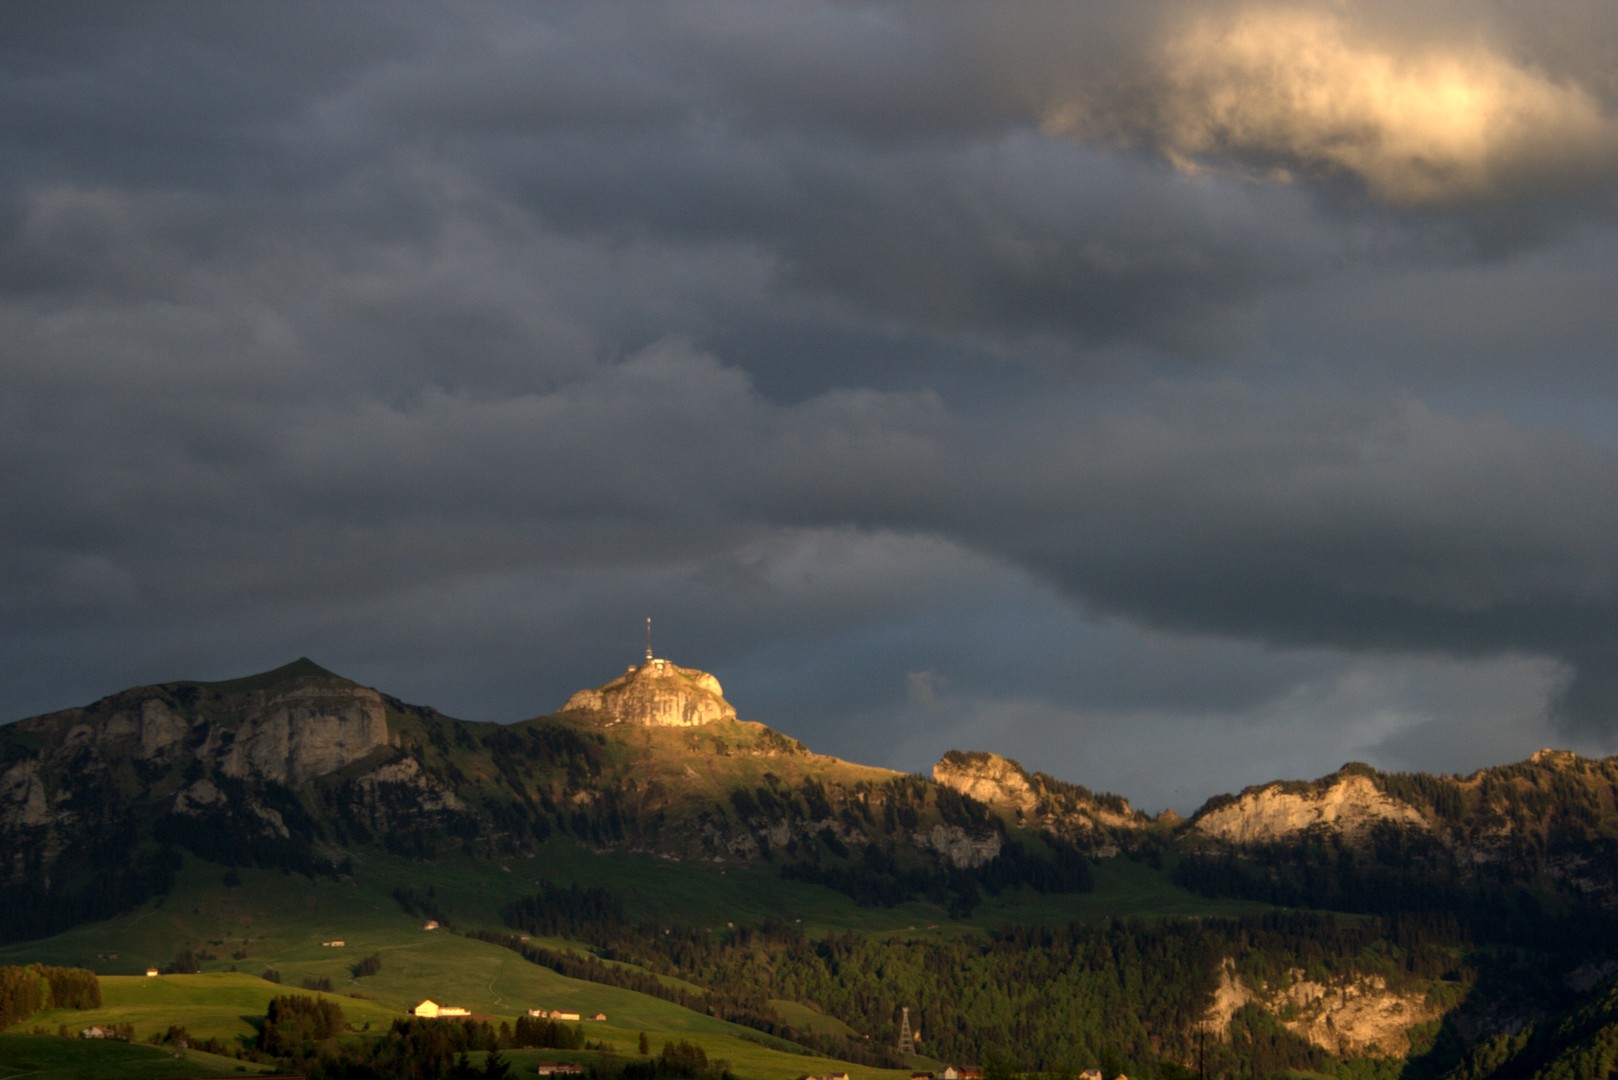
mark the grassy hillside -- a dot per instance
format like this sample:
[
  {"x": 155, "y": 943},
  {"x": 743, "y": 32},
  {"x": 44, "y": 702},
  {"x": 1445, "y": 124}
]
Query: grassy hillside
[
  {"x": 275, "y": 919},
  {"x": 46, "y": 1057},
  {"x": 486, "y": 979}
]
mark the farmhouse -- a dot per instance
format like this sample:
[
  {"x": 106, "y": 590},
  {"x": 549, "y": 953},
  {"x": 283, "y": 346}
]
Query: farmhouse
[
  {"x": 560, "y": 1068},
  {"x": 432, "y": 1010},
  {"x": 96, "y": 1031},
  {"x": 558, "y": 1014}
]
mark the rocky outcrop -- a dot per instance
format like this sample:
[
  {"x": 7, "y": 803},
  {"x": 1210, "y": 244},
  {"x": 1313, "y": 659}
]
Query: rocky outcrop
[
  {"x": 1097, "y": 823},
  {"x": 192, "y": 750},
  {"x": 655, "y": 694},
  {"x": 22, "y": 797},
  {"x": 959, "y": 848},
  {"x": 400, "y": 790},
  {"x": 302, "y": 733},
  {"x": 1352, "y": 805},
  {"x": 1352, "y": 1016},
  {"x": 296, "y": 728},
  {"x": 990, "y": 779}
]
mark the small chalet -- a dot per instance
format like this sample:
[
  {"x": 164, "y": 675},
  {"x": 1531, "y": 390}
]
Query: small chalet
[
  {"x": 430, "y": 924},
  {"x": 151, "y": 973},
  {"x": 560, "y": 1068},
  {"x": 1090, "y": 1074},
  {"x": 96, "y": 1031}
]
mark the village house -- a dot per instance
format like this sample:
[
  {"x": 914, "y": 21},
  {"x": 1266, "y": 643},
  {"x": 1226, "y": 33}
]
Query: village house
[{"x": 559, "y": 1014}]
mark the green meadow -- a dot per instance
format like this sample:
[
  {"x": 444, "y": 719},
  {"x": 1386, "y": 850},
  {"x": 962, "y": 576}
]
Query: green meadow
[
  {"x": 230, "y": 1006},
  {"x": 276, "y": 921},
  {"x": 46, "y": 1057}
]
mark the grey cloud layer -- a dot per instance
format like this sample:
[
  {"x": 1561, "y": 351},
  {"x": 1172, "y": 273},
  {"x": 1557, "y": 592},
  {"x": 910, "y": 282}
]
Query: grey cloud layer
[{"x": 829, "y": 325}]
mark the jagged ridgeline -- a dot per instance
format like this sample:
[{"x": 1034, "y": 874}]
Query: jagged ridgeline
[
  {"x": 298, "y": 767},
  {"x": 1463, "y": 925},
  {"x": 1525, "y": 852}
]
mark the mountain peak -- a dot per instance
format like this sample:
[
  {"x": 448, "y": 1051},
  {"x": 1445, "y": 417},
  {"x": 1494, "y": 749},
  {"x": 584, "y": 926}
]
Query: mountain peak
[
  {"x": 300, "y": 669},
  {"x": 657, "y": 693}
]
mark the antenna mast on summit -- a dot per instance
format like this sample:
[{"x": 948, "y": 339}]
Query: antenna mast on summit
[{"x": 648, "y": 639}]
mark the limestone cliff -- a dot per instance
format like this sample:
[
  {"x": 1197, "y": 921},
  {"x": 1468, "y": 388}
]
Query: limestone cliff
[
  {"x": 1072, "y": 812},
  {"x": 1351, "y": 805},
  {"x": 988, "y": 778},
  {"x": 302, "y": 723},
  {"x": 655, "y": 694},
  {"x": 201, "y": 752},
  {"x": 1349, "y": 1015}
]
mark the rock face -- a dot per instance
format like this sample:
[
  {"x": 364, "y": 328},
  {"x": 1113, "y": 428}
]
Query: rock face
[
  {"x": 990, "y": 779},
  {"x": 656, "y": 694},
  {"x": 1352, "y": 806},
  {"x": 305, "y": 733},
  {"x": 1351, "y": 1016},
  {"x": 961, "y": 849},
  {"x": 193, "y": 750},
  {"x": 1097, "y": 823},
  {"x": 289, "y": 734}
]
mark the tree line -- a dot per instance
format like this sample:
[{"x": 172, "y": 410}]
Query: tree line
[
  {"x": 1051, "y": 999},
  {"x": 25, "y": 991}
]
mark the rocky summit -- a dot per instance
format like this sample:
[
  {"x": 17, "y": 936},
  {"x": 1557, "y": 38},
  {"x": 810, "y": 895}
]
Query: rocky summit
[{"x": 655, "y": 694}]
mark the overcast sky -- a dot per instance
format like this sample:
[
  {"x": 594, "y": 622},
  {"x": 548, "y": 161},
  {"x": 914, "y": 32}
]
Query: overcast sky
[{"x": 1170, "y": 396}]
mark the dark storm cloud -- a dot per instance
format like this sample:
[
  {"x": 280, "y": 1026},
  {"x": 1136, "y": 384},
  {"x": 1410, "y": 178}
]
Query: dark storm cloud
[
  {"x": 1373, "y": 526},
  {"x": 928, "y": 362}
]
